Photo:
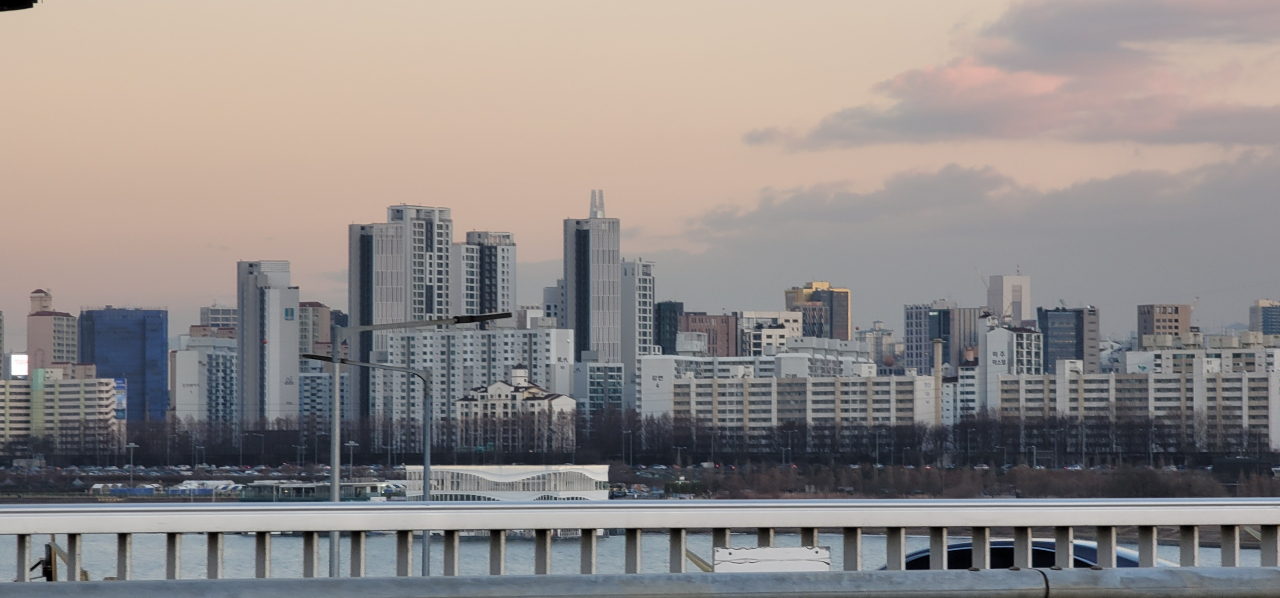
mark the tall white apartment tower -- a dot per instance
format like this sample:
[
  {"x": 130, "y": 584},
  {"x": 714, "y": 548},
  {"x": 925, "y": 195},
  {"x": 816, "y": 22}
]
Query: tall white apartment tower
[
  {"x": 637, "y": 320},
  {"x": 397, "y": 271},
  {"x": 1009, "y": 299},
  {"x": 267, "y": 341},
  {"x": 593, "y": 283},
  {"x": 484, "y": 273}
]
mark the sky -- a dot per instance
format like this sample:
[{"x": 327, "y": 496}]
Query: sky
[{"x": 1117, "y": 152}]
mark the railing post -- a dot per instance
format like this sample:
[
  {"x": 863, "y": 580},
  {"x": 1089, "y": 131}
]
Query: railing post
[
  {"x": 24, "y": 558},
  {"x": 764, "y": 537},
  {"x": 937, "y": 548},
  {"x": 1230, "y": 546},
  {"x": 262, "y": 555},
  {"x": 213, "y": 555},
  {"x": 895, "y": 548},
  {"x": 1022, "y": 547},
  {"x": 808, "y": 536},
  {"x": 1269, "y": 545},
  {"x": 124, "y": 557},
  {"x": 588, "y": 553},
  {"x": 542, "y": 552},
  {"x": 1106, "y": 547},
  {"x": 404, "y": 552},
  {"x": 634, "y": 559},
  {"x": 1064, "y": 547},
  {"x": 852, "y": 548},
  {"x": 720, "y": 537},
  {"x": 173, "y": 556},
  {"x": 497, "y": 552},
  {"x": 679, "y": 540},
  {"x": 981, "y": 548},
  {"x": 359, "y": 554},
  {"x": 1146, "y": 546},
  {"x": 75, "y": 557},
  {"x": 310, "y": 554},
  {"x": 1189, "y": 546},
  {"x": 451, "y": 539}
]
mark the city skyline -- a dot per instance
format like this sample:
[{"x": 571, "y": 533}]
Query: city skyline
[{"x": 791, "y": 154}]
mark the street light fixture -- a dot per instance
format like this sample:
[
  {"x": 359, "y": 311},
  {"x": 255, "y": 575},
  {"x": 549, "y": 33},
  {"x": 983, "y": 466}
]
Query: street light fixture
[
  {"x": 351, "y": 457},
  {"x": 338, "y": 335},
  {"x": 131, "y": 446}
]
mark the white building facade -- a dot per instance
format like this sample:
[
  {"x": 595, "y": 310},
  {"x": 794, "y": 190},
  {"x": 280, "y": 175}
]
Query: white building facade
[{"x": 267, "y": 347}]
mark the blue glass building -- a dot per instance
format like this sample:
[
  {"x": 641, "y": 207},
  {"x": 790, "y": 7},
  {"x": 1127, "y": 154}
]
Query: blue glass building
[{"x": 131, "y": 344}]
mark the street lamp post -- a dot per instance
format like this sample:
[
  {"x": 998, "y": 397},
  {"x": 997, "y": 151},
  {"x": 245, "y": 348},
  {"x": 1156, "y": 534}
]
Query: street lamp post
[
  {"x": 337, "y": 335},
  {"x": 131, "y": 446},
  {"x": 351, "y": 458}
]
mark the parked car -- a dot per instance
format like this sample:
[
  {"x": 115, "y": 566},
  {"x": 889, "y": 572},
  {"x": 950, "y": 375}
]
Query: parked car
[{"x": 960, "y": 555}]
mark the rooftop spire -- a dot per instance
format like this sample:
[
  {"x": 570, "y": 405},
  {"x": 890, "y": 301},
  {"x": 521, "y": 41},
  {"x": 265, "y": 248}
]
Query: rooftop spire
[{"x": 597, "y": 203}]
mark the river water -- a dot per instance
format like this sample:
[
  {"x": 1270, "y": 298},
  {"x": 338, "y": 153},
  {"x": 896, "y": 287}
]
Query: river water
[{"x": 286, "y": 554}]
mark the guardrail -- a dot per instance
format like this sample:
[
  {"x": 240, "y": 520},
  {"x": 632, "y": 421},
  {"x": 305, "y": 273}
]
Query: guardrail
[
  {"x": 676, "y": 518},
  {"x": 1005, "y": 583}
]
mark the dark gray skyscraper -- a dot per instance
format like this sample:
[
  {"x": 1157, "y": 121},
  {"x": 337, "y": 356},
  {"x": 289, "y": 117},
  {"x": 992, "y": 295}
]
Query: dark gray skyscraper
[
  {"x": 593, "y": 283},
  {"x": 1070, "y": 334},
  {"x": 666, "y": 325}
]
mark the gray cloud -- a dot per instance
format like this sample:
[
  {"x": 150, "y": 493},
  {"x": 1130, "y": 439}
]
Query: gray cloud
[
  {"x": 1072, "y": 70},
  {"x": 1114, "y": 242}
]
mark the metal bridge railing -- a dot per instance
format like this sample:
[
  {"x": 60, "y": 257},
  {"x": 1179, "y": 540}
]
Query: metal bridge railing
[{"x": 1231, "y": 517}]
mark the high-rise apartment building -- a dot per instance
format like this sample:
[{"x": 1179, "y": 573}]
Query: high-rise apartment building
[
  {"x": 218, "y": 316},
  {"x": 1070, "y": 334},
  {"x": 767, "y": 332},
  {"x": 203, "y": 378},
  {"x": 1007, "y": 350},
  {"x": 1164, "y": 320},
  {"x": 880, "y": 342},
  {"x": 1009, "y": 299},
  {"x": 71, "y": 414},
  {"x": 397, "y": 271},
  {"x": 132, "y": 344},
  {"x": 593, "y": 283},
  {"x": 314, "y": 327},
  {"x": 637, "y": 316},
  {"x": 484, "y": 274},
  {"x": 267, "y": 344},
  {"x": 553, "y": 304},
  {"x": 52, "y": 336},
  {"x": 828, "y": 310},
  {"x": 666, "y": 325},
  {"x": 723, "y": 339}
]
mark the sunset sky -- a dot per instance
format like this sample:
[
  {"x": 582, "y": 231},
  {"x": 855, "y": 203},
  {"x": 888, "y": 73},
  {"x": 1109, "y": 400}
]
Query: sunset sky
[{"x": 1118, "y": 152}]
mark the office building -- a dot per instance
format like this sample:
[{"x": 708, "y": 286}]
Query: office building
[
  {"x": 1009, "y": 299},
  {"x": 666, "y": 325},
  {"x": 484, "y": 274},
  {"x": 52, "y": 336},
  {"x": 1268, "y": 319},
  {"x": 218, "y": 316},
  {"x": 1163, "y": 320},
  {"x": 553, "y": 304},
  {"x": 1070, "y": 334},
  {"x": 592, "y": 283},
  {"x": 516, "y": 416},
  {"x": 827, "y": 309},
  {"x": 921, "y": 323},
  {"x": 69, "y": 414},
  {"x": 203, "y": 377},
  {"x": 132, "y": 344},
  {"x": 637, "y": 317},
  {"x": 1255, "y": 313},
  {"x": 267, "y": 344},
  {"x": 723, "y": 338}
]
